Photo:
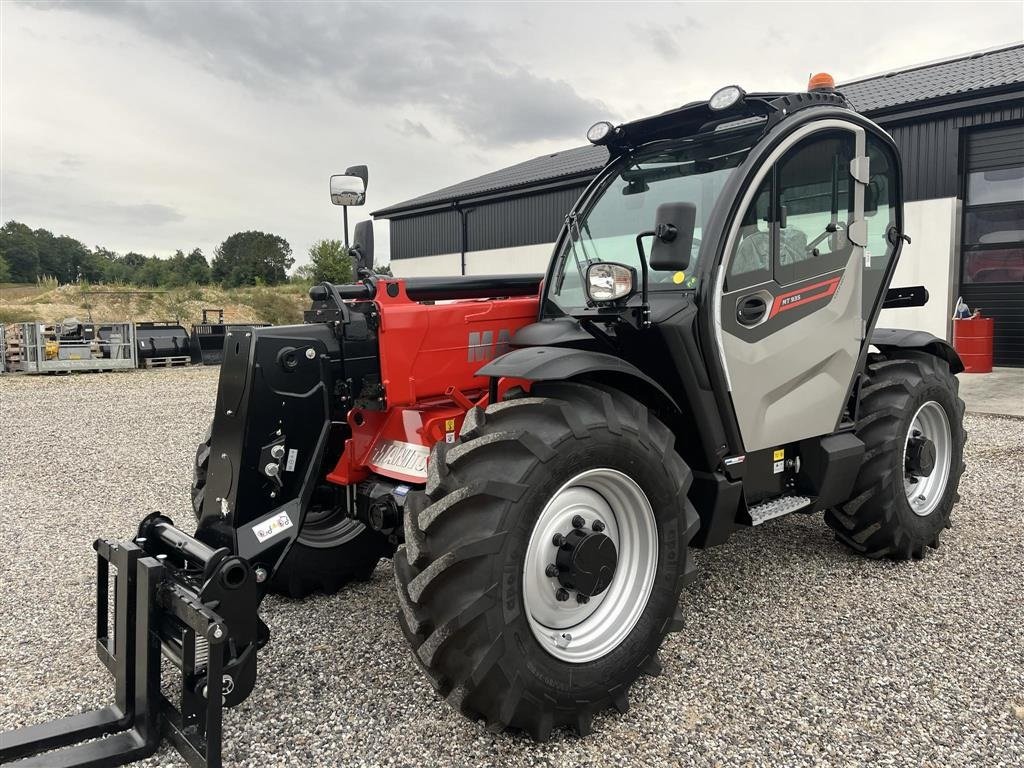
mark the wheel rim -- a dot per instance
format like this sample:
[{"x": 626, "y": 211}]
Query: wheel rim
[
  {"x": 580, "y": 632},
  {"x": 924, "y": 492}
]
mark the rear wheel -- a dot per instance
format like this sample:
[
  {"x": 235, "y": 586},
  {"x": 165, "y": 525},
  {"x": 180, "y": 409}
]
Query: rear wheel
[
  {"x": 911, "y": 421},
  {"x": 331, "y": 550},
  {"x": 544, "y": 561}
]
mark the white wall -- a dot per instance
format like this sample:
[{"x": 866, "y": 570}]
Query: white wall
[
  {"x": 930, "y": 260},
  {"x": 427, "y": 266},
  {"x": 525, "y": 259}
]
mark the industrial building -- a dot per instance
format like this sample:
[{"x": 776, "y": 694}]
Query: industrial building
[{"x": 959, "y": 124}]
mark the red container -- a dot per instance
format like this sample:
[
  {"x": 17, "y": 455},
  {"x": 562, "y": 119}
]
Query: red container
[{"x": 972, "y": 339}]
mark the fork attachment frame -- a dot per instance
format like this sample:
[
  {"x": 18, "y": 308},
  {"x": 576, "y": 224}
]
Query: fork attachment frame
[{"x": 177, "y": 599}]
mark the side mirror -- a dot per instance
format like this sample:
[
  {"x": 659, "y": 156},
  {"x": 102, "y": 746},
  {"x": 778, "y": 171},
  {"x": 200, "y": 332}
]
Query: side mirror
[
  {"x": 348, "y": 189},
  {"x": 673, "y": 236},
  {"x": 362, "y": 248}
]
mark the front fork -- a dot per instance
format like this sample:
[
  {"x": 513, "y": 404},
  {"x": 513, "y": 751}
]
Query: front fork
[{"x": 178, "y": 599}]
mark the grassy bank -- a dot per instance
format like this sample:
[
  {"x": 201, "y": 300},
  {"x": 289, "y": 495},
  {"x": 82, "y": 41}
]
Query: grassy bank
[{"x": 47, "y": 302}]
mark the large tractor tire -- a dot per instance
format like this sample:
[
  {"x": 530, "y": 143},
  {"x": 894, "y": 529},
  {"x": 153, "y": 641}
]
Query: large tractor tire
[
  {"x": 331, "y": 549},
  {"x": 544, "y": 561},
  {"x": 910, "y": 417}
]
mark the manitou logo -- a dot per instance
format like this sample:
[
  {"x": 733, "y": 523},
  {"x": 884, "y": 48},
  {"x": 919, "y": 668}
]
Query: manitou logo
[{"x": 482, "y": 346}]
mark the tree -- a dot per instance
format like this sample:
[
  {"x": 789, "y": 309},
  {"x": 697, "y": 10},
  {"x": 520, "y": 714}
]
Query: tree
[
  {"x": 5, "y": 271},
  {"x": 197, "y": 269},
  {"x": 250, "y": 258},
  {"x": 330, "y": 262},
  {"x": 19, "y": 249}
]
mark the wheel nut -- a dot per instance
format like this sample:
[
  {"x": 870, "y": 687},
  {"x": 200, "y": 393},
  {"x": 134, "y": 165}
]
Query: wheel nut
[
  {"x": 597, "y": 526},
  {"x": 578, "y": 521},
  {"x": 582, "y": 599},
  {"x": 562, "y": 594},
  {"x": 557, "y": 539},
  {"x": 551, "y": 571}
]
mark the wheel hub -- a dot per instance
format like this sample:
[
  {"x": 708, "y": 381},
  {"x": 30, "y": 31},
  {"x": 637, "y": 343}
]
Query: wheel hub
[
  {"x": 920, "y": 456},
  {"x": 586, "y": 562}
]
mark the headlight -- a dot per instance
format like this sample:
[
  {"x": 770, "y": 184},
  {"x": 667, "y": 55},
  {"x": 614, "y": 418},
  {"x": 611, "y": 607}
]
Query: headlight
[
  {"x": 599, "y": 133},
  {"x": 608, "y": 282},
  {"x": 726, "y": 97}
]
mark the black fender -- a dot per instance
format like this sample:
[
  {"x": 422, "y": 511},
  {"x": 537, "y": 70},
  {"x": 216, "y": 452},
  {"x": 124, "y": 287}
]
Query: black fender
[
  {"x": 900, "y": 338},
  {"x": 562, "y": 364}
]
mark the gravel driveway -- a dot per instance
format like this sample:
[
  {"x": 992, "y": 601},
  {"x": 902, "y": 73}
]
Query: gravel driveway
[{"x": 796, "y": 652}]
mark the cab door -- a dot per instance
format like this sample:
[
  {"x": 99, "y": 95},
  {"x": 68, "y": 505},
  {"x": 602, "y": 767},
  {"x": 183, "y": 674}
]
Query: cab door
[{"x": 789, "y": 293}]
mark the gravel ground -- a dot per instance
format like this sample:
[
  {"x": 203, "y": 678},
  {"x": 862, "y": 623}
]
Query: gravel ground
[{"x": 795, "y": 653}]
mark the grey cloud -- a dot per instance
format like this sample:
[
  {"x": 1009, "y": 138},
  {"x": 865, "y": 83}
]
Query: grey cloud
[
  {"x": 408, "y": 55},
  {"x": 39, "y": 195},
  {"x": 412, "y": 128},
  {"x": 665, "y": 39}
]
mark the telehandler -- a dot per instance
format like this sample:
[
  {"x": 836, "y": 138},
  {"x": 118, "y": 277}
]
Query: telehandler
[{"x": 538, "y": 454}]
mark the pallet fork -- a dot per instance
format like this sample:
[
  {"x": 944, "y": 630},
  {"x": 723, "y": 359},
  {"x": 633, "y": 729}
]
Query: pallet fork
[{"x": 174, "y": 598}]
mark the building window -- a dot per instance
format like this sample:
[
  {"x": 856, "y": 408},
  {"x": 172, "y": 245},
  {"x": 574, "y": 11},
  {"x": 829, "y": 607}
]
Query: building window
[{"x": 993, "y": 228}]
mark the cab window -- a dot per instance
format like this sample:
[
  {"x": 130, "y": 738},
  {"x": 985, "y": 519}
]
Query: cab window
[{"x": 795, "y": 227}]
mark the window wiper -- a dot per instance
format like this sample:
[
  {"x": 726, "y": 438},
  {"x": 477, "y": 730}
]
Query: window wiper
[{"x": 573, "y": 226}]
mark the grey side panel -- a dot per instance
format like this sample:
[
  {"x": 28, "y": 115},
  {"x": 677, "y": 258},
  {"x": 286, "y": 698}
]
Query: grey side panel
[
  {"x": 898, "y": 338},
  {"x": 791, "y": 385}
]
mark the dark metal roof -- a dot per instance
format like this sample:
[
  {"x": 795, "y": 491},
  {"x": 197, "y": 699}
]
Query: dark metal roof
[
  {"x": 877, "y": 94},
  {"x": 965, "y": 74},
  {"x": 569, "y": 163}
]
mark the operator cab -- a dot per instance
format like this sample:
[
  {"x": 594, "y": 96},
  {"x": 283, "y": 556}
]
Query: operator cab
[{"x": 735, "y": 251}]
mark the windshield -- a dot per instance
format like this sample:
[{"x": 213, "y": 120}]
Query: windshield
[{"x": 625, "y": 205}]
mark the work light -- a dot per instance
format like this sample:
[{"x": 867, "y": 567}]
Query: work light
[
  {"x": 726, "y": 97},
  {"x": 608, "y": 282},
  {"x": 599, "y": 133}
]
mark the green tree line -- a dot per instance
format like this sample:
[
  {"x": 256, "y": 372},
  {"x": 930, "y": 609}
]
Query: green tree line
[{"x": 245, "y": 258}]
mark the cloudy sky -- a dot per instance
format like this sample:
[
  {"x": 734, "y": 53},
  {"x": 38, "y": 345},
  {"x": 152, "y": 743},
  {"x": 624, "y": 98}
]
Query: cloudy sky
[{"x": 158, "y": 126}]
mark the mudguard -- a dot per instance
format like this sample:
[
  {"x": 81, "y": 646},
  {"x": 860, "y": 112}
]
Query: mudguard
[
  {"x": 562, "y": 364},
  {"x": 900, "y": 338}
]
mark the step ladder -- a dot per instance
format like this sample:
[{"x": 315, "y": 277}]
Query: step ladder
[{"x": 783, "y": 505}]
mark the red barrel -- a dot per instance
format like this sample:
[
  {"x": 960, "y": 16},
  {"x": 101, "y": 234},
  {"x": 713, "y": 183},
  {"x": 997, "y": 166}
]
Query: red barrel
[{"x": 972, "y": 339}]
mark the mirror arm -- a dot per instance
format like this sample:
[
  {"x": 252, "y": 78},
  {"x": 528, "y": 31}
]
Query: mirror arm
[{"x": 645, "y": 308}]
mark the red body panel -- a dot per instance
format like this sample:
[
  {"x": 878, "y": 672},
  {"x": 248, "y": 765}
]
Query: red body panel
[{"x": 429, "y": 355}]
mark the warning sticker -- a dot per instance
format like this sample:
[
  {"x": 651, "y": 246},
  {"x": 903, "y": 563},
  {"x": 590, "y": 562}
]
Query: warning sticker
[
  {"x": 449, "y": 437},
  {"x": 270, "y": 528},
  {"x": 449, "y": 425},
  {"x": 293, "y": 456},
  {"x": 779, "y": 454},
  {"x": 778, "y": 467}
]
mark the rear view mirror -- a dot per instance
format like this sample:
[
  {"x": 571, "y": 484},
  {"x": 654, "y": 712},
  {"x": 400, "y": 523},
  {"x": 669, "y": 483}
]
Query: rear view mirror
[
  {"x": 673, "y": 236},
  {"x": 362, "y": 248},
  {"x": 348, "y": 189}
]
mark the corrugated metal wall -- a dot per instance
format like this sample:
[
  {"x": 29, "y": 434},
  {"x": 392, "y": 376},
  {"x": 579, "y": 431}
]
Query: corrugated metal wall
[
  {"x": 518, "y": 221},
  {"x": 931, "y": 149}
]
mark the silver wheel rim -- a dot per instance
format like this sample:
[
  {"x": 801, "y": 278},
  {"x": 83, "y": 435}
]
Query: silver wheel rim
[
  {"x": 925, "y": 493},
  {"x": 576, "y": 632}
]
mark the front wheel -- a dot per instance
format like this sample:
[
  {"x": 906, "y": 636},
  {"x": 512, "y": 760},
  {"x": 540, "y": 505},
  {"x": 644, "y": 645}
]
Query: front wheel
[{"x": 544, "y": 561}]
